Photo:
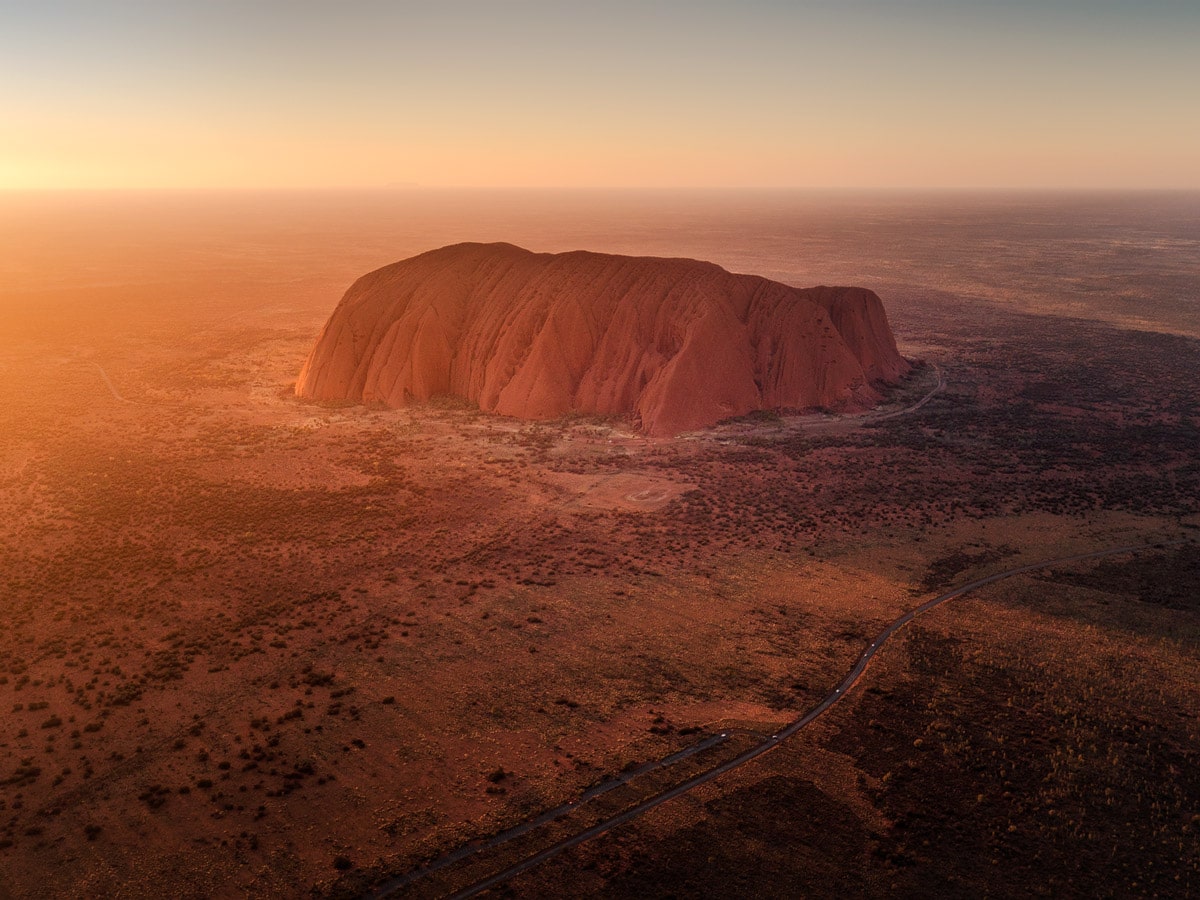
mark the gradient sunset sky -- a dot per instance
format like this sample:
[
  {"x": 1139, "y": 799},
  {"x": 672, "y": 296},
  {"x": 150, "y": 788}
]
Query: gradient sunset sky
[{"x": 902, "y": 93}]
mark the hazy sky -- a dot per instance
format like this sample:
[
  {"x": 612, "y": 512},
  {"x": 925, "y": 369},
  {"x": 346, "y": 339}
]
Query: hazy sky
[{"x": 892, "y": 93}]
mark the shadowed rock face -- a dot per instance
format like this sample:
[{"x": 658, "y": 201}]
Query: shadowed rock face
[{"x": 675, "y": 343}]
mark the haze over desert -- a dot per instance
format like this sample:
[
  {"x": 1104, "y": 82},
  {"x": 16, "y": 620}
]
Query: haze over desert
[
  {"x": 626, "y": 450},
  {"x": 252, "y": 636}
]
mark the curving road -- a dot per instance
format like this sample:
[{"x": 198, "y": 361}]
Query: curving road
[
  {"x": 112, "y": 389},
  {"x": 758, "y": 750},
  {"x": 846, "y": 423},
  {"x": 941, "y": 384}
]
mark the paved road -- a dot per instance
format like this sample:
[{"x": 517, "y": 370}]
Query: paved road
[
  {"x": 470, "y": 849},
  {"x": 941, "y": 384},
  {"x": 764, "y": 746},
  {"x": 838, "y": 423}
]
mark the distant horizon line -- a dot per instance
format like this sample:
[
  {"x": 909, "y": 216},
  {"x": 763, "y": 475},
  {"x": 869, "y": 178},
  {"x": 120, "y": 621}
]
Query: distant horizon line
[{"x": 595, "y": 189}]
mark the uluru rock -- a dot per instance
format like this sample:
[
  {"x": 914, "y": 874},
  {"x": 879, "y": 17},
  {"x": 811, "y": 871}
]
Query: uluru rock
[{"x": 676, "y": 344}]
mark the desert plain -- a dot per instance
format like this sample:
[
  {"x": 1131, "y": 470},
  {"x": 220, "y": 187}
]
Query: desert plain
[{"x": 259, "y": 646}]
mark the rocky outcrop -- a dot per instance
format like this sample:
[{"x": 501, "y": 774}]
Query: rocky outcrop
[{"x": 676, "y": 344}]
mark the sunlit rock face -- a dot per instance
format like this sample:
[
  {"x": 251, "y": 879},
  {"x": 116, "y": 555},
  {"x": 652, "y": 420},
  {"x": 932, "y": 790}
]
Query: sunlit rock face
[{"x": 675, "y": 344}]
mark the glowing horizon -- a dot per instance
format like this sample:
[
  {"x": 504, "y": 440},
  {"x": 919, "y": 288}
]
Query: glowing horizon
[{"x": 860, "y": 95}]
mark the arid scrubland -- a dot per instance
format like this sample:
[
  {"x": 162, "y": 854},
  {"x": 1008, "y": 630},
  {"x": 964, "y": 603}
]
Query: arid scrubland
[{"x": 258, "y": 645}]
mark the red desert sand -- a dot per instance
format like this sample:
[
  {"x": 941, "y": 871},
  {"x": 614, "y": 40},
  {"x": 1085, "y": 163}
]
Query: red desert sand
[{"x": 676, "y": 344}]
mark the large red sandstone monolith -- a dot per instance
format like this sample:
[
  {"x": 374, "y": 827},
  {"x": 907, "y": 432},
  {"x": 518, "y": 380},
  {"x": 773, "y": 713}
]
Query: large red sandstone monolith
[{"x": 676, "y": 344}]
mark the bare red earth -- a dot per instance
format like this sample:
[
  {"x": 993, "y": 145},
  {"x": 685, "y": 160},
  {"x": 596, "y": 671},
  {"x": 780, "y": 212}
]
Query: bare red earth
[{"x": 675, "y": 343}]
